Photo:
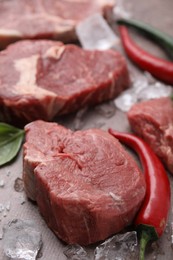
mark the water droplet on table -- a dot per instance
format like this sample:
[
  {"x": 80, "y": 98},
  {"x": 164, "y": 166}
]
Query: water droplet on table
[
  {"x": 18, "y": 185},
  {"x": 95, "y": 33},
  {"x": 119, "y": 247},
  {"x": 4, "y": 209},
  {"x": 8, "y": 206},
  {"x": 2, "y": 183},
  {"x": 22, "y": 240},
  {"x": 107, "y": 109},
  {"x": 1, "y": 207},
  {"x": 8, "y": 172},
  {"x": 22, "y": 199},
  {"x": 1, "y": 235},
  {"x": 79, "y": 118}
]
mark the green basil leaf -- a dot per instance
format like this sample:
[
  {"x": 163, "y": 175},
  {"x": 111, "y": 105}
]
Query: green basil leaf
[
  {"x": 5, "y": 128},
  {"x": 10, "y": 142}
]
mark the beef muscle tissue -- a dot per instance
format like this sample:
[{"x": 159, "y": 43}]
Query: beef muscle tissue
[
  {"x": 41, "y": 79},
  {"x": 86, "y": 185},
  {"x": 46, "y": 19},
  {"x": 153, "y": 121}
]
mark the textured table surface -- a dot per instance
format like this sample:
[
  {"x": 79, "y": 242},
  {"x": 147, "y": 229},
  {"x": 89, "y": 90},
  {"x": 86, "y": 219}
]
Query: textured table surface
[{"x": 159, "y": 14}]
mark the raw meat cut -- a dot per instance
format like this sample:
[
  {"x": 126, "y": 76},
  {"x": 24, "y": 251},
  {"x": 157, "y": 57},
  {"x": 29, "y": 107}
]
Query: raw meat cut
[
  {"x": 86, "y": 185},
  {"x": 46, "y": 19},
  {"x": 153, "y": 121},
  {"x": 40, "y": 79}
]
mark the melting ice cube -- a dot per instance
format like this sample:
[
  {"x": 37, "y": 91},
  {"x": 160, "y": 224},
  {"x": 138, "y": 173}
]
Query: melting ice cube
[
  {"x": 143, "y": 87},
  {"x": 139, "y": 82},
  {"x": 126, "y": 99},
  {"x": 22, "y": 240},
  {"x": 95, "y": 33},
  {"x": 156, "y": 90},
  {"x": 120, "y": 11},
  {"x": 76, "y": 252},
  {"x": 118, "y": 247}
]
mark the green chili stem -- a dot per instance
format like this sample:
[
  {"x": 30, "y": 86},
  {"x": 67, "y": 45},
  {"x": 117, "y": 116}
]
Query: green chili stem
[{"x": 145, "y": 238}]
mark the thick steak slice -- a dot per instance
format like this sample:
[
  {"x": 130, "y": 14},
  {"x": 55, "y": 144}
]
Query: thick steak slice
[
  {"x": 48, "y": 19},
  {"x": 41, "y": 79},
  {"x": 153, "y": 121},
  {"x": 86, "y": 185}
]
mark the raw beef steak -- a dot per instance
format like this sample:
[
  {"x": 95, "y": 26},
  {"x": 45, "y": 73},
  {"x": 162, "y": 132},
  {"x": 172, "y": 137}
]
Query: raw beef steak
[
  {"x": 86, "y": 185},
  {"x": 40, "y": 79},
  {"x": 153, "y": 121},
  {"x": 48, "y": 19}
]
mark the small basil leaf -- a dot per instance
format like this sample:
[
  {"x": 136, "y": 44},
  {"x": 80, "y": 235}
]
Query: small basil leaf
[
  {"x": 5, "y": 128},
  {"x": 10, "y": 142}
]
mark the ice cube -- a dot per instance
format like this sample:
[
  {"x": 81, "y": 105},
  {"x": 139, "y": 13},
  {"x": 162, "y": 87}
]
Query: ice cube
[
  {"x": 156, "y": 90},
  {"x": 119, "y": 247},
  {"x": 126, "y": 99},
  {"x": 139, "y": 82},
  {"x": 95, "y": 33},
  {"x": 120, "y": 11},
  {"x": 76, "y": 252},
  {"x": 150, "y": 78},
  {"x": 22, "y": 240},
  {"x": 143, "y": 87}
]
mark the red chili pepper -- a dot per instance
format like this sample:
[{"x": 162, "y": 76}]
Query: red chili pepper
[
  {"x": 159, "y": 68},
  {"x": 152, "y": 216}
]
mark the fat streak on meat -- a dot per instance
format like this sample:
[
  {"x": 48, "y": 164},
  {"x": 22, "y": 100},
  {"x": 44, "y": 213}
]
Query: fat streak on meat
[
  {"x": 40, "y": 79},
  {"x": 153, "y": 121},
  {"x": 46, "y": 19},
  {"x": 86, "y": 185}
]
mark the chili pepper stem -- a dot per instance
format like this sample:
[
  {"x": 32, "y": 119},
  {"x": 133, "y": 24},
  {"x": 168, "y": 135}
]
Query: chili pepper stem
[{"x": 144, "y": 239}]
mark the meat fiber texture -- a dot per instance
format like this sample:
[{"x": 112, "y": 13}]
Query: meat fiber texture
[
  {"x": 86, "y": 185},
  {"x": 41, "y": 79},
  {"x": 153, "y": 121},
  {"x": 46, "y": 19}
]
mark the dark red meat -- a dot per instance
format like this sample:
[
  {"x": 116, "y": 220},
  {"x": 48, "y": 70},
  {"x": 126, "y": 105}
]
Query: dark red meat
[
  {"x": 46, "y": 19},
  {"x": 86, "y": 185},
  {"x": 41, "y": 79},
  {"x": 153, "y": 121}
]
